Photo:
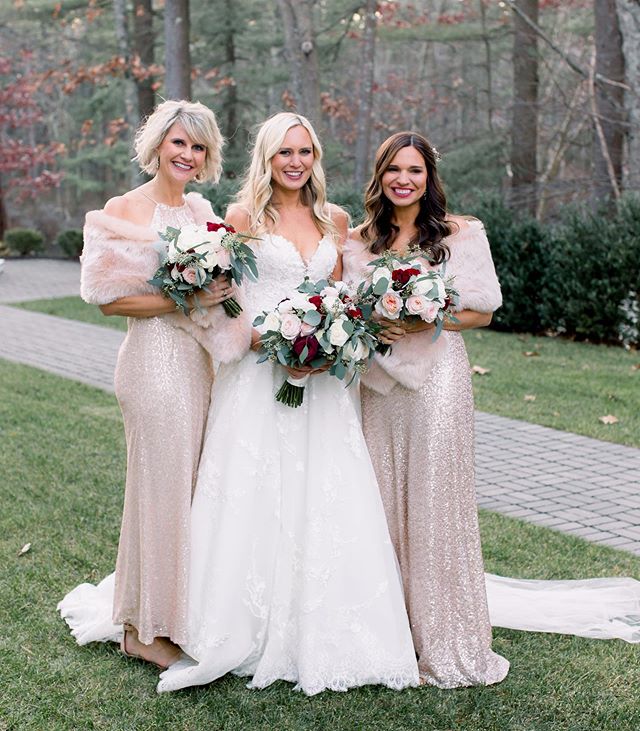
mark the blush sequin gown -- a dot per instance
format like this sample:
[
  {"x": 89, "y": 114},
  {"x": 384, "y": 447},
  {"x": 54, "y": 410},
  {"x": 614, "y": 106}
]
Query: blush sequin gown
[
  {"x": 422, "y": 448},
  {"x": 163, "y": 383}
]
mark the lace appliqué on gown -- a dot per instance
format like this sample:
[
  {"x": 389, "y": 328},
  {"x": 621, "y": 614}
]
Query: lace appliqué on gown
[{"x": 291, "y": 557}]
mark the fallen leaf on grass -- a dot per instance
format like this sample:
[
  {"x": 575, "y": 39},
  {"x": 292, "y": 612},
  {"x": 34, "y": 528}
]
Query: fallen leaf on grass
[
  {"x": 480, "y": 371},
  {"x": 529, "y": 397},
  {"x": 608, "y": 419},
  {"x": 25, "y": 549},
  {"x": 530, "y": 353},
  {"x": 635, "y": 367}
]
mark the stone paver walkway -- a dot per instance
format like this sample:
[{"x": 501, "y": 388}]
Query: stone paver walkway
[{"x": 571, "y": 483}]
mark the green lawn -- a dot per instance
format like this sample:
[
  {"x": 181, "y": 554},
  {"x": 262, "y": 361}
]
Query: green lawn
[
  {"x": 73, "y": 308},
  {"x": 62, "y": 458},
  {"x": 574, "y": 384}
]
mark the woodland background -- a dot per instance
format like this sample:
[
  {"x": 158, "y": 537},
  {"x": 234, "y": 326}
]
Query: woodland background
[{"x": 533, "y": 104}]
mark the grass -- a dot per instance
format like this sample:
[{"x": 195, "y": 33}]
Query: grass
[
  {"x": 574, "y": 384},
  {"x": 62, "y": 458},
  {"x": 73, "y": 308}
]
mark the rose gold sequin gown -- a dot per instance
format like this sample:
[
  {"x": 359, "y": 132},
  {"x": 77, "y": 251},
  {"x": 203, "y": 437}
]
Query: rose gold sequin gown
[
  {"x": 422, "y": 446},
  {"x": 163, "y": 382}
]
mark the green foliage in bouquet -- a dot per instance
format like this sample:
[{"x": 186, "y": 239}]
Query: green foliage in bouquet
[
  {"x": 70, "y": 242},
  {"x": 24, "y": 241}
]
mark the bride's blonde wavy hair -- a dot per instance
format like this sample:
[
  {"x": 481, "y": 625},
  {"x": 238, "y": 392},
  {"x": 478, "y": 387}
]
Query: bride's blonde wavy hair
[{"x": 255, "y": 195}]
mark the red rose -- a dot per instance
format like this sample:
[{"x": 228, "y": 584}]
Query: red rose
[
  {"x": 404, "y": 275},
  {"x": 180, "y": 267},
  {"x": 211, "y": 226},
  {"x": 354, "y": 312},
  {"x": 311, "y": 344},
  {"x": 316, "y": 301},
  {"x": 447, "y": 302}
]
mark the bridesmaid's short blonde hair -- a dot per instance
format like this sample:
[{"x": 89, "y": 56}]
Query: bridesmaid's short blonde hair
[{"x": 200, "y": 124}]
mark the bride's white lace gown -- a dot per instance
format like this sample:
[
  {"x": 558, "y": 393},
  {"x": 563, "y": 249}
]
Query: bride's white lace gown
[{"x": 293, "y": 575}]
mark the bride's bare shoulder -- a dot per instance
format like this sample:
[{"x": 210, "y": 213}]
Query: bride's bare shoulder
[{"x": 238, "y": 217}]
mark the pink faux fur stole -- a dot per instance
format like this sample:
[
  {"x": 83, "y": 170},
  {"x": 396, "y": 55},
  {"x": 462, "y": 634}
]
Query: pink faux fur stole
[
  {"x": 117, "y": 260},
  {"x": 413, "y": 357}
]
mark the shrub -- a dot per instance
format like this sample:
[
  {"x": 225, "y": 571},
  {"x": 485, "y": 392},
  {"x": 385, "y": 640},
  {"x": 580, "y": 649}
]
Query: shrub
[
  {"x": 70, "y": 242},
  {"x": 518, "y": 245},
  {"x": 591, "y": 291},
  {"x": 23, "y": 240}
]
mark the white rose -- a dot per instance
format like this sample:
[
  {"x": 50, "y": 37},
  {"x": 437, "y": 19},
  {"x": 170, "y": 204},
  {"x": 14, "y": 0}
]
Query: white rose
[
  {"x": 338, "y": 336},
  {"x": 211, "y": 257},
  {"x": 271, "y": 322},
  {"x": 285, "y": 306},
  {"x": 358, "y": 352},
  {"x": 299, "y": 301},
  {"x": 190, "y": 236},
  {"x": 422, "y": 285},
  {"x": 290, "y": 326},
  {"x": 381, "y": 273}
]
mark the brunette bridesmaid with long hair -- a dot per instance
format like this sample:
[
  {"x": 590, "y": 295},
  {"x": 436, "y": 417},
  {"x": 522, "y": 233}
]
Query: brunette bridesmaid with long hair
[{"x": 417, "y": 411}]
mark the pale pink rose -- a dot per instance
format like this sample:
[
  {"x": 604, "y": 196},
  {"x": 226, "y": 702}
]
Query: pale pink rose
[
  {"x": 306, "y": 329},
  {"x": 290, "y": 326},
  {"x": 389, "y": 305},
  {"x": 189, "y": 275},
  {"x": 416, "y": 304},
  {"x": 224, "y": 259},
  {"x": 430, "y": 312}
]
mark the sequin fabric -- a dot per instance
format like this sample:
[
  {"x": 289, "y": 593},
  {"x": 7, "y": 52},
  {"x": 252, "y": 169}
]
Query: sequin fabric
[
  {"x": 163, "y": 382},
  {"x": 422, "y": 446}
]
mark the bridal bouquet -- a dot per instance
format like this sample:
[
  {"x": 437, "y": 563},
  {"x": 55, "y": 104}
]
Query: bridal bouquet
[
  {"x": 318, "y": 325},
  {"x": 194, "y": 255},
  {"x": 404, "y": 288}
]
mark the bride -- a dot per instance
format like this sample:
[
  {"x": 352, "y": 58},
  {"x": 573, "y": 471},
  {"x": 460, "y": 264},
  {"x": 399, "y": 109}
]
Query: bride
[{"x": 293, "y": 575}]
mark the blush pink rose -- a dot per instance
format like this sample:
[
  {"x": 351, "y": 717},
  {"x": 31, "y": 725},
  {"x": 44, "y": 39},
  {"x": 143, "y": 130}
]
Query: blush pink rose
[
  {"x": 430, "y": 312},
  {"x": 224, "y": 259},
  {"x": 306, "y": 329},
  {"x": 416, "y": 304},
  {"x": 189, "y": 275},
  {"x": 389, "y": 305},
  {"x": 290, "y": 326}
]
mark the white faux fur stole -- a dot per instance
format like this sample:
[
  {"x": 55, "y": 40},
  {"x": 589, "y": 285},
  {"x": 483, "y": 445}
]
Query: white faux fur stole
[
  {"x": 119, "y": 258},
  {"x": 413, "y": 357}
]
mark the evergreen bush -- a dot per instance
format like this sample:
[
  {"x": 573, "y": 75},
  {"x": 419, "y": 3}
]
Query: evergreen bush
[
  {"x": 518, "y": 245},
  {"x": 70, "y": 242},
  {"x": 593, "y": 265},
  {"x": 24, "y": 240}
]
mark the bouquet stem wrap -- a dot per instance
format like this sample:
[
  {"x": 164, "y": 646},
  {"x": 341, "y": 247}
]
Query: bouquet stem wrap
[{"x": 291, "y": 393}]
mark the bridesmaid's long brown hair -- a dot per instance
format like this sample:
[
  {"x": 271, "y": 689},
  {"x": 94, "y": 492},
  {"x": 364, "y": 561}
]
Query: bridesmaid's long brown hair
[{"x": 378, "y": 228}]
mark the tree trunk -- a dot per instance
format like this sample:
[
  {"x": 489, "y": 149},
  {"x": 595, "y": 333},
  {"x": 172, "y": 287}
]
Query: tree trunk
[
  {"x": 302, "y": 55},
  {"x": 4, "y": 220},
  {"x": 629, "y": 24},
  {"x": 487, "y": 55},
  {"x": 177, "y": 60},
  {"x": 524, "y": 130},
  {"x": 143, "y": 46},
  {"x": 365, "y": 96},
  {"x": 230, "y": 107},
  {"x": 609, "y": 103},
  {"x": 130, "y": 101}
]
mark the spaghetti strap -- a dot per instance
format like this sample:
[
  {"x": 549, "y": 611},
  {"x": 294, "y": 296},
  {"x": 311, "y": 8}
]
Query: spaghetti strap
[{"x": 147, "y": 196}]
